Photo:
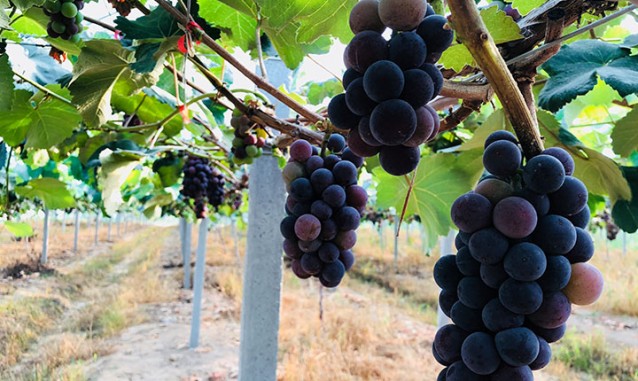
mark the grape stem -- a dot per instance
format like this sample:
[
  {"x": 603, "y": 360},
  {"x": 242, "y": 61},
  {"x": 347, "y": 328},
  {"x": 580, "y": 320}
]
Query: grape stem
[
  {"x": 257, "y": 80},
  {"x": 472, "y": 31}
]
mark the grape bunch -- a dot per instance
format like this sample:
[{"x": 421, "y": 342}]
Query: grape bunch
[
  {"x": 249, "y": 139},
  {"x": 123, "y": 7},
  {"x": 389, "y": 83},
  {"x": 66, "y": 20},
  {"x": 323, "y": 207},
  {"x": 520, "y": 264},
  {"x": 203, "y": 184}
]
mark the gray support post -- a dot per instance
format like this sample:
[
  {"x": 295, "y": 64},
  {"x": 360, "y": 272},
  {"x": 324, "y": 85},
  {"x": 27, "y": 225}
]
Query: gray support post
[
  {"x": 233, "y": 231},
  {"x": 108, "y": 236},
  {"x": 446, "y": 245},
  {"x": 262, "y": 273},
  {"x": 76, "y": 232},
  {"x": 45, "y": 238},
  {"x": 119, "y": 220},
  {"x": 97, "y": 227},
  {"x": 187, "y": 254},
  {"x": 200, "y": 264},
  {"x": 64, "y": 221}
]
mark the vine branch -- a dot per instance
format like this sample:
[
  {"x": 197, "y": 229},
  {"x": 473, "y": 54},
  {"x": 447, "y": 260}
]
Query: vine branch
[
  {"x": 257, "y": 80},
  {"x": 474, "y": 34}
]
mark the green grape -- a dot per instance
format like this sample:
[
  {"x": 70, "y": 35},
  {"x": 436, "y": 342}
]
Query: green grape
[
  {"x": 69, "y": 10},
  {"x": 58, "y": 27},
  {"x": 252, "y": 151},
  {"x": 53, "y": 6},
  {"x": 79, "y": 18},
  {"x": 238, "y": 142},
  {"x": 75, "y": 38}
]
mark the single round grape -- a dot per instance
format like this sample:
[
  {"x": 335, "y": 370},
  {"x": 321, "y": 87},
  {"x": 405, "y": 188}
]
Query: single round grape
[
  {"x": 520, "y": 297},
  {"x": 310, "y": 263},
  {"x": 298, "y": 270},
  {"x": 309, "y": 246},
  {"x": 328, "y": 252},
  {"x": 551, "y": 335},
  {"x": 313, "y": 163},
  {"x": 359, "y": 147},
  {"x": 471, "y": 212},
  {"x": 540, "y": 202},
  {"x": 366, "y": 134},
  {"x": 346, "y": 240},
  {"x": 424, "y": 128},
  {"x": 352, "y": 157},
  {"x": 500, "y": 135},
  {"x": 399, "y": 160},
  {"x": 525, "y": 262},
  {"x": 502, "y": 158},
  {"x": 515, "y": 217},
  {"x": 300, "y": 151},
  {"x": 330, "y": 161},
  {"x": 583, "y": 250},
  {"x": 365, "y": 16},
  {"x": 448, "y": 341},
  {"x": 488, "y": 246},
  {"x": 334, "y": 195},
  {"x": 474, "y": 293},
  {"x": 479, "y": 353},
  {"x": 402, "y": 15},
  {"x": 340, "y": 115},
  {"x": 407, "y": 50},
  {"x": 393, "y": 122},
  {"x": 458, "y": 371},
  {"x": 307, "y": 227},
  {"x": 494, "y": 189},
  {"x": 349, "y": 76},
  {"x": 467, "y": 318},
  {"x": 554, "y": 311},
  {"x": 437, "y": 121},
  {"x": 585, "y": 285},
  {"x": 321, "y": 179},
  {"x": 581, "y": 219},
  {"x": 570, "y": 198},
  {"x": 447, "y": 299},
  {"x": 544, "y": 355},
  {"x": 333, "y": 272},
  {"x": 517, "y": 346},
  {"x": 291, "y": 249},
  {"x": 418, "y": 88},
  {"x": 365, "y": 49},
  {"x": 301, "y": 189},
  {"x": 287, "y": 227},
  {"x": 498, "y": 318},
  {"x": 321, "y": 210},
  {"x": 58, "y": 27},
  {"x": 557, "y": 274},
  {"x": 493, "y": 275},
  {"x": 336, "y": 143},
  {"x": 564, "y": 157},
  {"x": 435, "y": 75},
  {"x": 438, "y": 358},
  {"x": 383, "y": 80},
  {"x": 544, "y": 174},
  {"x": 510, "y": 373},
  {"x": 467, "y": 265},
  {"x": 357, "y": 197},
  {"x": 347, "y": 258},
  {"x": 357, "y": 100},
  {"x": 554, "y": 234},
  {"x": 345, "y": 173},
  {"x": 329, "y": 230},
  {"x": 434, "y": 31},
  {"x": 347, "y": 218},
  {"x": 446, "y": 273}
]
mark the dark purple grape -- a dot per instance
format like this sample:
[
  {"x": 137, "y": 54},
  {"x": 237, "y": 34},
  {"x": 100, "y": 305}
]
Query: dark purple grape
[
  {"x": 291, "y": 249},
  {"x": 384, "y": 80},
  {"x": 359, "y": 147},
  {"x": 399, "y": 160},
  {"x": 570, "y": 198},
  {"x": 349, "y": 76},
  {"x": 517, "y": 346},
  {"x": 425, "y": 126},
  {"x": 488, "y": 246},
  {"x": 345, "y": 173},
  {"x": 544, "y": 355},
  {"x": 336, "y": 143},
  {"x": 321, "y": 179},
  {"x": 300, "y": 151},
  {"x": 474, "y": 293},
  {"x": 435, "y": 33},
  {"x": 557, "y": 274},
  {"x": 418, "y": 89},
  {"x": 321, "y": 210},
  {"x": 493, "y": 275},
  {"x": 298, "y": 270},
  {"x": 328, "y": 252},
  {"x": 502, "y": 158},
  {"x": 448, "y": 341},
  {"x": 554, "y": 234},
  {"x": 564, "y": 157},
  {"x": 581, "y": 219},
  {"x": 307, "y": 227},
  {"x": 347, "y": 258},
  {"x": 340, "y": 115},
  {"x": 515, "y": 217},
  {"x": 357, "y": 100},
  {"x": 310, "y": 263},
  {"x": 333, "y": 272},
  {"x": 583, "y": 250},
  {"x": 544, "y": 174},
  {"x": 500, "y": 135},
  {"x": 334, "y": 195},
  {"x": 467, "y": 318},
  {"x": 446, "y": 273},
  {"x": 365, "y": 49},
  {"x": 309, "y": 246},
  {"x": 393, "y": 122},
  {"x": 479, "y": 353},
  {"x": 554, "y": 311},
  {"x": 287, "y": 227},
  {"x": 498, "y": 318},
  {"x": 447, "y": 299},
  {"x": 525, "y": 262},
  {"x": 511, "y": 373},
  {"x": 466, "y": 264},
  {"x": 407, "y": 50},
  {"x": 471, "y": 212},
  {"x": 352, "y": 157},
  {"x": 520, "y": 297}
]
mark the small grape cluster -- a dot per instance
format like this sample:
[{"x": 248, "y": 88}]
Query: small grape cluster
[
  {"x": 389, "y": 83},
  {"x": 203, "y": 184},
  {"x": 66, "y": 19},
  {"x": 249, "y": 139},
  {"x": 123, "y": 7},
  {"x": 323, "y": 207},
  {"x": 520, "y": 264}
]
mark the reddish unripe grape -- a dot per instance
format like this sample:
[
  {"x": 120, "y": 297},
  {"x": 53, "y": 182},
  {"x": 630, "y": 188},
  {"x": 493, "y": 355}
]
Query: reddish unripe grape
[
  {"x": 307, "y": 227},
  {"x": 437, "y": 121},
  {"x": 494, "y": 189},
  {"x": 300, "y": 151},
  {"x": 402, "y": 15},
  {"x": 298, "y": 270},
  {"x": 479, "y": 353},
  {"x": 346, "y": 240},
  {"x": 399, "y": 160},
  {"x": 564, "y": 157},
  {"x": 365, "y": 16},
  {"x": 502, "y": 158},
  {"x": 356, "y": 196},
  {"x": 292, "y": 249},
  {"x": 515, "y": 217},
  {"x": 554, "y": 311},
  {"x": 586, "y": 284},
  {"x": 359, "y": 147},
  {"x": 471, "y": 212}
]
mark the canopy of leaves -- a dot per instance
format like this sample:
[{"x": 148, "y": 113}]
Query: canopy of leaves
[{"x": 52, "y": 192}]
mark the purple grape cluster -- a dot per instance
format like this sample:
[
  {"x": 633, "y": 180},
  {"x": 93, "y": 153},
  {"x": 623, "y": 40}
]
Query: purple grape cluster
[
  {"x": 203, "y": 184},
  {"x": 66, "y": 19},
  {"x": 507, "y": 288},
  {"x": 323, "y": 208},
  {"x": 389, "y": 83}
]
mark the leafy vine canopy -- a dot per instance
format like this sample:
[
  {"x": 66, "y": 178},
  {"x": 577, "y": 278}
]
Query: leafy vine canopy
[{"x": 68, "y": 139}]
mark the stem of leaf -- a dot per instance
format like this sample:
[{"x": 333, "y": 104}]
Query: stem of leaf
[{"x": 43, "y": 89}]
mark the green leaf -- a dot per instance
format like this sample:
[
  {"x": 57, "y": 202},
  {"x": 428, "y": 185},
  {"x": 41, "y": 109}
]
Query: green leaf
[
  {"x": 526, "y": 6},
  {"x": 624, "y": 136},
  {"x": 238, "y": 26},
  {"x": 6, "y": 78},
  {"x": 630, "y": 42},
  {"x": 101, "y": 66},
  {"x": 248, "y": 7},
  {"x": 43, "y": 125},
  {"x": 574, "y": 71},
  {"x": 19, "y": 229},
  {"x": 439, "y": 180},
  {"x": 4, "y": 19},
  {"x": 316, "y": 92},
  {"x": 33, "y": 22},
  {"x": 502, "y": 28},
  {"x": 52, "y": 192},
  {"x": 158, "y": 24},
  {"x": 116, "y": 168},
  {"x": 23, "y": 5},
  {"x": 149, "y": 55},
  {"x": 600, "y": 174},
  {"x": 151, "y": 110},
  {"x": 625, "y": 212},
  {"x": 496, "y": 121}
]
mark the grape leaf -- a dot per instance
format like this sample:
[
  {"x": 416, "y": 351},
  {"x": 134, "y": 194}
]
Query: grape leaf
[
  {"x": 600, "y": 174},
  {"x": 625, "y": 212},
  {"x": 502, "y": 28},
  {"x": 43, "y": 126},
  {"x": 526, "y": 6},
  {"x": 23, "y": 5},
  {"x": 6, "y": 78},
  {"x": 19, "y": 229},
  {"x": 52, "y": 192},
  {"x": 238, "y": 27},
  {"x": 148, "y": 108},
  {"x": 101, "y": 66},
  {"x": 116, "y": 167},
  {"x": 624, "y": 136},
  {"x": 316, "y": 92},
  {"x": 149, "y": 54},
  {"x": 157, "y": 24},
  {"x": 496, "y": 121},
  {"x": 4, "y": 18},
  {"x": 574, "y": 71},
  {"x": 630, "y": 41},
  {"x": 439, "y": 180}
]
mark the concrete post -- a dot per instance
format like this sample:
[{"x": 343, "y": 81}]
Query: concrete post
[
  {"x": 45, "y": 238},
  {"x": 76, "y": 232},
  {"x": 198, "y": 287}
]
